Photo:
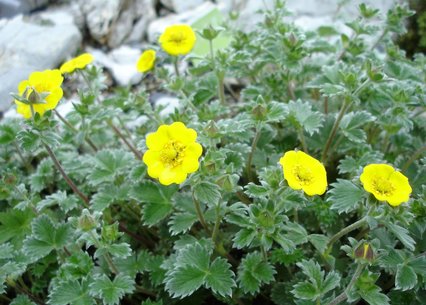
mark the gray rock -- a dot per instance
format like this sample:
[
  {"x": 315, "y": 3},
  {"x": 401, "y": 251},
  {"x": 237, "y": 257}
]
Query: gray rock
[
  {"x": 121, "y": 63},
  {"x": 167, "y": 104},
  {"x": 110, "y": 22},
  {"x": 33, "y": 44},
  {"x": 10, "y": 8},
  {"x": 179, "y": 6},
  {"x": 156, "y": 27}
]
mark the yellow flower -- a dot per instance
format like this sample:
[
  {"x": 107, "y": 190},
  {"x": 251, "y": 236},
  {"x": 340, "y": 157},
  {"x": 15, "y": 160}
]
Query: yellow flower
[
  {"x": 79, "y": 62},
  {"x": 44, "y": 85},
  {"x": 172, "y": 153},
  {"x": 304, "y": 172},
  {"x": 386, "y": 184},
  {"x": 177, "y": 39},
  {"x": 146, "y": 61}
]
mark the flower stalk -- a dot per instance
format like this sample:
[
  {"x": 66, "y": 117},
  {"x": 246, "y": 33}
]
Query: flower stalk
[
  {"x": 65, "y": 176},
  {"x": 344, "y": 295},
  {"x": 200, "y": 214}
]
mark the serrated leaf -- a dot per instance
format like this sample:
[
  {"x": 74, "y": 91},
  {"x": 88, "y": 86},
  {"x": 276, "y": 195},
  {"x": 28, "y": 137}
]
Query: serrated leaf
[
  {"x": 60, "y": 198},
  {"x": 253, "y": 271},
  {"x": 207, "y": 192},
  {"x": 28, "y": 140},
  {"x": 157, "y": 199},
  {"x": 276, "y": 112},
  {"x": 15, "y": 224},
  {"x": 405, "y": 278},
  {"x": 107, "y": 164},
  {"x": 6, "y": 251},
  {"x": 352, "y": 125},
  {"x": 71, "y": 293},
  {"x": 319, "y": 241},
  {"x": 108, "y": 195},
  {"x": 419, "y": 265},
  {"x": 255, "y": 191},
  {"x": 305, "y": 291},
  {"x": 22, "y": 300},
  {"x": 220, "y": 277},
  {"x": 331, "y": 281},
  {"x": 301, "y": 114},
  {"x": 373, "y": 296},
  {"x": 184, "y": 281},
  {"x": 244, "y": 237},
  {"x": 312, "y": 270},
  {"x": 46, "y": 236},
  {"x": 181, "y": 222},
  {"x": 402, "y": 234},
  {"x": 111, "y": 292},
  {"x": 345, "y": 196}
]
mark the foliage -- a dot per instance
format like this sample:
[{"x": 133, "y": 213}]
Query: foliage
[{"x": 83, "y": 220}]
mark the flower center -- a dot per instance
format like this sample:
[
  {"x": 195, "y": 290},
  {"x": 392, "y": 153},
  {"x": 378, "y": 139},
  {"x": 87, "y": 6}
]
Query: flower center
[
  {"x": 383, "y": 186},
  {"x": 172, "y": 153},
  {"x": 303, "y": 175},
  {"x": 177, "y": 38}
]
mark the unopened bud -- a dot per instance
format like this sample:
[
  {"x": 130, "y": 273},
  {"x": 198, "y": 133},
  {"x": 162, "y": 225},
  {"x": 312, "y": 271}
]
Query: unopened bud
[
  {"x": 259, "y": 112},
  {"x": 86, "y": 222},
  {"x": 211, "y": 129},
  {"x": 364, "y": 252}
]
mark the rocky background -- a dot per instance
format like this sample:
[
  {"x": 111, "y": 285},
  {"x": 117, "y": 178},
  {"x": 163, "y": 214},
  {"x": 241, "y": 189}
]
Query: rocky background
[{"x": 41, "y": 34}]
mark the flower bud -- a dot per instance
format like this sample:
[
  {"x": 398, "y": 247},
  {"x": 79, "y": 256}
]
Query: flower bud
[
  {"x": 364, "y": 252},
  {"x": 259, "y": 112},
  {"x": 86, "y": 222},
  {"x": 211, "y": 129}
]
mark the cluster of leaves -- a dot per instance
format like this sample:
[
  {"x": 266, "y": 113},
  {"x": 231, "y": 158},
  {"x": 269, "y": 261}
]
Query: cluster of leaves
[{"x": 131, "y": 240}]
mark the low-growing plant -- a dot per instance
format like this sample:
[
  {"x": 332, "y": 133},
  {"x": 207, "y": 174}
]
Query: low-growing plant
[{"x": 292, "y": 172}]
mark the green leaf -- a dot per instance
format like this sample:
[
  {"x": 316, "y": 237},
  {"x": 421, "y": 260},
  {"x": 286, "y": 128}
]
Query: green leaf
[
  {"x": 255, "y": 191},
  {"x": 319, "y": 241},
  {"x": 301, "y": 114},
  {"x": 253, "y": 271},
  {"x": 108, "y": 195},
  {"x": 22, "y": 300},
  {"x": 352, "y": 125},
  {"x": 312, "y": 270},
  {"x": 181, "y": 222},
  {"x": 111, "y": 292},
  {"x": 157, "y": 199},
  {"x": 28, "y": 140},
  {"x": 405, "y": 278},
  {"x": 15, "y": 224},
  {"x": 419, "y": 265},
  {"x": 373, "y": 296},
  {"x": 46, "y": 236},
  {"x": 184, "y": 281},
  {"x": 331, "y": 281},
  {"x": 108, "y": 164},
  {"x": 402, "y": 234},
  {"x": 220, "y": 277},
  {"x": 244, "y": 237},
  {"x": 207, "y": 192},
  {"x": 345, "y": 196},
  {"x": 305, "y": 291},
  {"x": 71, "y": 292},
  {"x": 60, "y": 198}
]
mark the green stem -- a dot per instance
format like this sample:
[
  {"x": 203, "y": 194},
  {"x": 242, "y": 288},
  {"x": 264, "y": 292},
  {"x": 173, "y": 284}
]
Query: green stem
[
  {"x": 70, "y": 126},
  {"x": 216, "y": 224},
  {"x": 336, "y": 124},
  {"x": 414, "y": 156},
  {"x": 385, "y": 31},
  {"x": 250, "y": 157},
  {"x": 200, "y": 214},
  {"x": 26, "y": 164},
  {"x": 176, "y": 65},
  {"x": 344, "y": 295},
  {"x": 302, "y": 140},
  {"x": 345, "y": 231},
  {"x": 221, "y": 89},
  {"x": 137, "y": 154},
  {"x": 107, "y": 256},
  {"x": 65, "y": 176}
]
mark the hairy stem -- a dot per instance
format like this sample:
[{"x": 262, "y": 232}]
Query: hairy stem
[
  {"x": 70, "y": 126},
  {"x": 344, "y": 295},
  {"x": 302, "y": 140},
  {"x": 107, "y": 256},
  {"x": 200, "y": 214},
  {"x": 65, "y": 176},
  {"x": 414, "y": 156},
  {"x": 345, "y": 231},
  {"x": 216, "y": 224},
  {"x": 137, "y": 154},
  {"x": 250, "y": 157},
  {"x": 176, "y": 65}
]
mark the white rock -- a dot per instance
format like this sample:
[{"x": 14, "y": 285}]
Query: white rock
[
  {"x": 167, "y": 103},
  {"x": 180, "y": 6},
  {"x": 111, "y": 22},
  {"x": 156, "y": 27},
  {"x": 10, "y": 8},
  {"x": 121, "y": 63},
  {"x": 33, "y": 44}
]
